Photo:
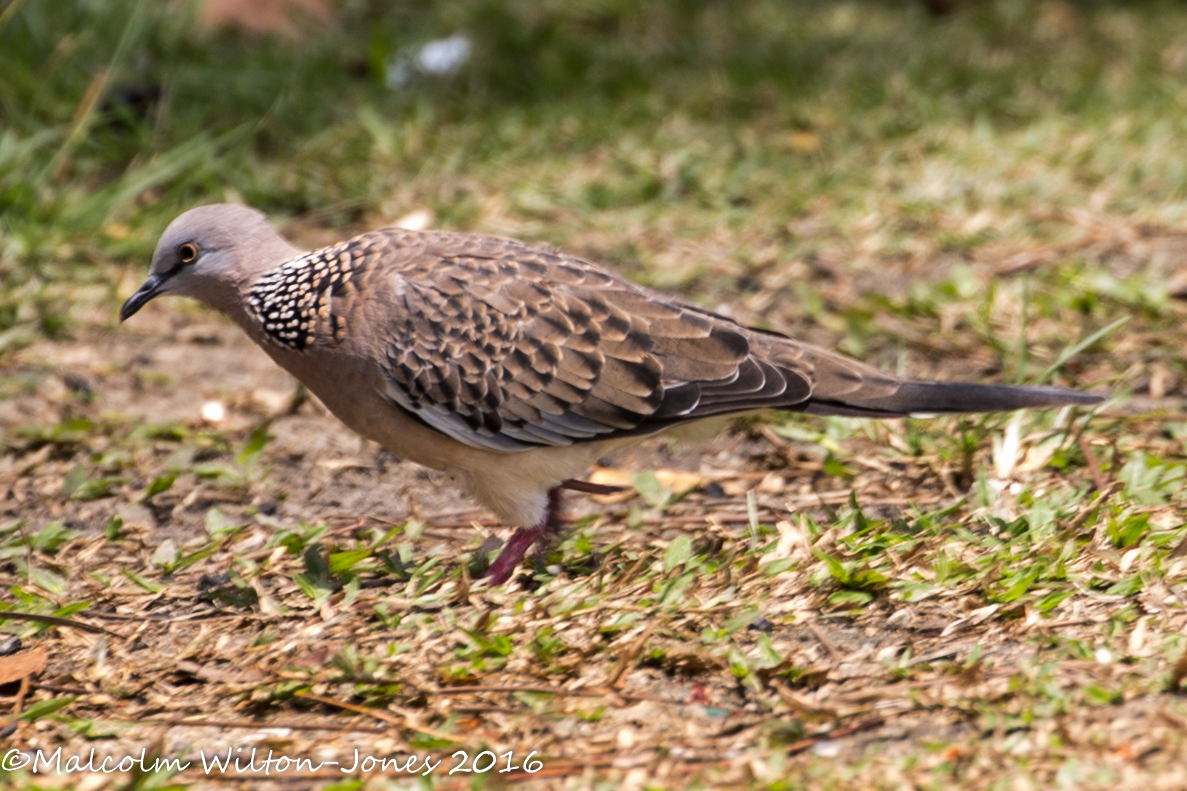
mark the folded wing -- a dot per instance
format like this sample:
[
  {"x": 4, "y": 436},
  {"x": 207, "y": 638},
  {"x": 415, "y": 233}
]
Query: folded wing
[{"x": 506, "y": 347}]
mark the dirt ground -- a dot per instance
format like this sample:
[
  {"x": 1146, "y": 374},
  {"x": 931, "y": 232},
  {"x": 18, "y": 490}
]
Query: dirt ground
[{"x": 666, "y": 652}]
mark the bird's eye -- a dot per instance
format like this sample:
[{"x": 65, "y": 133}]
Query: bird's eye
[{"x": 187, "y": 253}]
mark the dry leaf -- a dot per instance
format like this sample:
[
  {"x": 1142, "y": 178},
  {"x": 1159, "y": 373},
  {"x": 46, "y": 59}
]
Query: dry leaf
[{"x": 22, "y": 664}]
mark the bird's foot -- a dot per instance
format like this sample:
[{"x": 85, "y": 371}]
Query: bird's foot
[{"x": 513, "y": 553}]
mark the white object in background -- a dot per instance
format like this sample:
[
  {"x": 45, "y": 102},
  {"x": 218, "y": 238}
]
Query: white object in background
[
  {"x": 440, "y": 57},
  {"x": 213, "y": 412},
  {"x": 417, "y": 220}
]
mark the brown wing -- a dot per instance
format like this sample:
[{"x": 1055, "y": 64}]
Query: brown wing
[{"x": 506, "y": 347}]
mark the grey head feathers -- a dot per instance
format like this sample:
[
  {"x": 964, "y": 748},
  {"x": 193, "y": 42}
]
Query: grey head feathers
[{"x": 208, "y": 253}]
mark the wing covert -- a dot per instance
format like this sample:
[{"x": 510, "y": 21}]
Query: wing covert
[{"x": 507, "y": 347}]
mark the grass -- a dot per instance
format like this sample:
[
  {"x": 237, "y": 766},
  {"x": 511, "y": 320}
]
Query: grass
[{"x": 818, "y": 603}]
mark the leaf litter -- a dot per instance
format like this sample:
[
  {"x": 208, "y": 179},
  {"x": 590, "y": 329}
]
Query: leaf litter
[{"x": 940, "y": 601}]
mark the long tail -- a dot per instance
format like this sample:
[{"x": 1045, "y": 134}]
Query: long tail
[{"x": 923, "y": 397}]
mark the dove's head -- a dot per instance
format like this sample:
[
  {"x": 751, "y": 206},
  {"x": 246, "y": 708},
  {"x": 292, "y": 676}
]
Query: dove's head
[{"x": 211, "y": 253}]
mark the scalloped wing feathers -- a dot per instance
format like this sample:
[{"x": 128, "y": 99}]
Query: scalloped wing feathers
[{"x": 507, "y": 347}]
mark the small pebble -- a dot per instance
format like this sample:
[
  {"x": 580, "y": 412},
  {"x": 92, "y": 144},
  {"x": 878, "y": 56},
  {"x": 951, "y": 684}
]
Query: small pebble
[
  {"x": 213, "y": 412},
  {"x": 9, "y": 645},
  {"x": 827, "y": 749},
  {"x": 210, "y": 581},
  {"x": 761, "y": 624},
  {"x": 713, "y": 489}
]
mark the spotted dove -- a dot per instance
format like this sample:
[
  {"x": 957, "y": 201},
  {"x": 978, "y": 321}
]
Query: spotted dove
[{"x": 512, "y": 367}]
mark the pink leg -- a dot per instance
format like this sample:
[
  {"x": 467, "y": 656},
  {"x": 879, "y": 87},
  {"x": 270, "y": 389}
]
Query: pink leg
[
  {"x": 548, "y": 528},
  {"x": 589, "y": 488}
]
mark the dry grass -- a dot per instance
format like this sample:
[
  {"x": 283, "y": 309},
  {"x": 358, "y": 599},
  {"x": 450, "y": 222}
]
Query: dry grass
[
  {"x": 886, "y": 611},
  {"x": 995, "y": 603}
]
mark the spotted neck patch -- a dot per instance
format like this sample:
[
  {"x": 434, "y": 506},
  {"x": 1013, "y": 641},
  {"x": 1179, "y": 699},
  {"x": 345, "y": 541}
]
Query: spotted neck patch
[{"x": 294, "y": 300}]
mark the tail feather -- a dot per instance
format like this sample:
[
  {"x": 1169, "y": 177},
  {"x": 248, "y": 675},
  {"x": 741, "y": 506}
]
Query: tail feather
[{"x": 917, "y": 397}]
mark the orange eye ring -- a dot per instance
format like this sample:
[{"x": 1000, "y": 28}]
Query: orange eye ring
[{"x": 187, "y": 253}]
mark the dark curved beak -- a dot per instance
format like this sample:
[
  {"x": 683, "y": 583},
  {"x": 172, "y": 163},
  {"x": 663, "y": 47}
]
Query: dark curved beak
[{"x": 142, "y": 297}]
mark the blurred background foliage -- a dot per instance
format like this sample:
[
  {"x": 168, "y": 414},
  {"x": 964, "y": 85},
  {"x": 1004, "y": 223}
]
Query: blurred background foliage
[{"x": 117, "y": 114}]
